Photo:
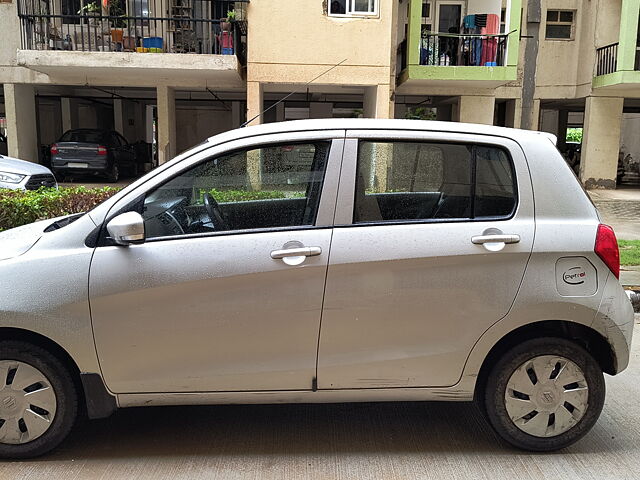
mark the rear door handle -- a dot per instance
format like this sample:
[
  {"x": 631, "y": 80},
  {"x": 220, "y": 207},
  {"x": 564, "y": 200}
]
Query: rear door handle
[
  {"x": 500, "y": 238},
  {"x": 296, "y": 252}
]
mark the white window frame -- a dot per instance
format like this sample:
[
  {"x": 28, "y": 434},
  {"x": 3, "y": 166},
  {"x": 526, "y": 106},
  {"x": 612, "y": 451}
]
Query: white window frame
[
  {"x": 572, "y": 24},
  {"x": 351, "y": 12}
]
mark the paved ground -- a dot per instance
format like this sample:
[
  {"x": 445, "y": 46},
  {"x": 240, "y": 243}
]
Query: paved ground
[
  {"x": 437, "y": 441},
  {"x": 620, "y": 208}
]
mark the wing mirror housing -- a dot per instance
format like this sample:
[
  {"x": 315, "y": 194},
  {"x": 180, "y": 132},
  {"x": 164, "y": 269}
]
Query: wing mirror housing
[{"x": 126, "y": 228}]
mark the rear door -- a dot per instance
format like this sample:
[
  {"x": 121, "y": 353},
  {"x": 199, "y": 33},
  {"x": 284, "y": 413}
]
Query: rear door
[{"x": 433, "y": 234}]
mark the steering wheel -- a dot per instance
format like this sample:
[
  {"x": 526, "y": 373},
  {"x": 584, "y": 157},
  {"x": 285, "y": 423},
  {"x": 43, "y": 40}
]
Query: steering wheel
[{"x": 213, "y": 210}]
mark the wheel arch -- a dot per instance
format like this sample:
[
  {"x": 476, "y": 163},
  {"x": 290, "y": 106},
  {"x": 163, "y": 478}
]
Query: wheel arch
[
  {"x": 94, "y": 398},
  {"x": 588, "y": 338}
]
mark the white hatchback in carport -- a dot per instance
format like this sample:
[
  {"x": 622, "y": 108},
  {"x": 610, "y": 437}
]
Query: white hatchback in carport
[{"x": 322, "y": 261}]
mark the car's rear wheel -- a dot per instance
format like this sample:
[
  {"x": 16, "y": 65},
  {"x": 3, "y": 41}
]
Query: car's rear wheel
[
  {"x": 38, "y": 400},
  {"x": 544, "y": 394},
  {"x": 114, "y": 173}
]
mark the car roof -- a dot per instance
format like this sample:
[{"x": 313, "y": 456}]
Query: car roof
[{"x": 377, "y": 124}]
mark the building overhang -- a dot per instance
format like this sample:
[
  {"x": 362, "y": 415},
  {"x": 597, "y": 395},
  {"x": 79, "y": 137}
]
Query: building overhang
[
  {"x": 627, "y": 81},
  {"x": 134, "y": 69},
  {"x": 458, "y": 76}
]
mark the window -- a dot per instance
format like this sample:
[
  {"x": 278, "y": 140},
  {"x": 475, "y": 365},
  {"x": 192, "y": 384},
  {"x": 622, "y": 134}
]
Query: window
[
  {"x": 404, "y": 181},
  {"x": 353, "y": 7},
  {"x": 560, "y": 24},
  {"x": 269, "y": 187}
]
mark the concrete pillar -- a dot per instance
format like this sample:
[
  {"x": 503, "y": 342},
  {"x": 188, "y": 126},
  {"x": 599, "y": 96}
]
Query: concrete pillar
[
  {"x": 255, "y": 102},
  {"x": 281, "y": 112},
  {"x": 69, "y": 108},
  {"x": 377, "y": 102},
  {"x": 320, "y": 110},
  {"x": 530, "y": 119},
  {"x": 236, "y": 114},
  {"x": 166, "y": 98},
  {"x": 22, "y": 128},
  {"x": 601, "y": 142},
  {"x": 513, "y": 114},
  {"x": 563, "y": 120},
  {"x": 476, "y": 109},
  {"x": 118, "y": 116}
]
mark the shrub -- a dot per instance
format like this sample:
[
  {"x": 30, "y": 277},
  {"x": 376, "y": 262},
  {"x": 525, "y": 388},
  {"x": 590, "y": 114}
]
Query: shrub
[{"x": 21, "y": 207}]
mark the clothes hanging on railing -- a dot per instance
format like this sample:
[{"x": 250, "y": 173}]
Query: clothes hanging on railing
[{"x": 480, "y": 51}]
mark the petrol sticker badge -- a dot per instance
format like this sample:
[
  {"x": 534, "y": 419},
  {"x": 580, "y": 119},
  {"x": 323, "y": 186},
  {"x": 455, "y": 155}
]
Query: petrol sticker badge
[{"x": 574, "y": 276}]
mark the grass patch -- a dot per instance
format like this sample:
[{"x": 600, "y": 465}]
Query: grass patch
[{"x": 629, "y": 252}]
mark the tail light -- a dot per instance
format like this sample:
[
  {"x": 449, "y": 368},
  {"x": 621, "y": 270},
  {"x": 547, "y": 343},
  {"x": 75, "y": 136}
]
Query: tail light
[
  {"x": 607, "y": 248},
  {"x": 54, "y": 149},
  {"x": 102, "y": 150}
]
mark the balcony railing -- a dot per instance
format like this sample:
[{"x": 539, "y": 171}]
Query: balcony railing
[
  {"x": 463, "y": 50},
  {"x": 43, "y": 28},
  {"x": 607, "y": 59}
]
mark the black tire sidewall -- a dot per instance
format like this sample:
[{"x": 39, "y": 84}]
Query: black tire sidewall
[
  {"x": 494, "y": 403},
  {"x": 64, "y": 389}
]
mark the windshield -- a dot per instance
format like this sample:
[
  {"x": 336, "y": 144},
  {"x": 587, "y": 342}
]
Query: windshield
[{"x": 83, "y": 136}]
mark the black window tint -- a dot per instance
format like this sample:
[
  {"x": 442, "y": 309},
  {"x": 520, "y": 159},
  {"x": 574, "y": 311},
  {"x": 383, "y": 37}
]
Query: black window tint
[
  {"x": 412, "y": 181},
  {"x": 269, "y": 187},
  {"x": 495, "y": 186}
]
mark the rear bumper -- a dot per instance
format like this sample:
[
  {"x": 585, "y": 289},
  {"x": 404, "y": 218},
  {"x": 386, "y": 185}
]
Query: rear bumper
[
  {"x": 614, "y": 321},
  {"x": 72, "y": 166}
]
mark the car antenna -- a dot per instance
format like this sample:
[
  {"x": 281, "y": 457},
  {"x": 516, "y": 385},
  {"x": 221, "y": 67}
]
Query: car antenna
[{"x": 292, "y": 93}]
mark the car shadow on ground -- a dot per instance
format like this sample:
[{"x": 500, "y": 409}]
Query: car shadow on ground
[{"x": 323, "y": 429}]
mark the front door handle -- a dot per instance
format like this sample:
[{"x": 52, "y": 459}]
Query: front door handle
[
  {"x": 296, "y": 252},
  {"x": 496, "y": 238}
]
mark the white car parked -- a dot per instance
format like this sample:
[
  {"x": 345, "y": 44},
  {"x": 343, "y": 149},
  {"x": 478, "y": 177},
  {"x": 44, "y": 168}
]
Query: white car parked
[
  {"x": 18, "y": 174},
  {"x": 322, "y": 261}
]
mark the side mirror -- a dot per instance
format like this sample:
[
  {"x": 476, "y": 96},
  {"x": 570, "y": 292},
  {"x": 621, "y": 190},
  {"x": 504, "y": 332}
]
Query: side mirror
[{"x": 126, "y": 228}]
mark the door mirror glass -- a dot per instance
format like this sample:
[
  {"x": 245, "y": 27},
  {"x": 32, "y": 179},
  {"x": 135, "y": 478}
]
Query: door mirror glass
[{"x": 126, "y": 228}]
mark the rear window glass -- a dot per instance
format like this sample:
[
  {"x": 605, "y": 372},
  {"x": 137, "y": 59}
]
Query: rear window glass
[
  {"x": 398, "y": 181},
  {"x": 83, "y": 136}
]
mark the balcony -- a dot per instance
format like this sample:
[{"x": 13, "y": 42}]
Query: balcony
[
  {"x": 461, "y": 53},
  {"x": 131, "y": 39},
  {"x": 617, "y": 65}
]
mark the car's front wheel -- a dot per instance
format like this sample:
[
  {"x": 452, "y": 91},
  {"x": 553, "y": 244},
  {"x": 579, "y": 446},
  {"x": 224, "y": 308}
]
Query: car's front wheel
[
  {"x": 38, "y": 400},
  {"x": 544, "y": 394}
]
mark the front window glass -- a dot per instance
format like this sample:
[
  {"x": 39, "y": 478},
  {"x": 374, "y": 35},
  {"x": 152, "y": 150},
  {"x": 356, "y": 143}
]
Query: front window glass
[
  {"x": 269, "y": 187},
  {"x": 404, "y": 181}
]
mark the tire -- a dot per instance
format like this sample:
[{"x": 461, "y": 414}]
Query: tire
[
  {"x": 567, "y": 410},
  {"x": 114, "y": 173},
  {"x": 54, "y": 424}
]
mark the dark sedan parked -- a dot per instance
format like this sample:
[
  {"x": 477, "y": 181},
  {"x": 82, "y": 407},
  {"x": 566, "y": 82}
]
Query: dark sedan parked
[{"x": 85, "y": 151}]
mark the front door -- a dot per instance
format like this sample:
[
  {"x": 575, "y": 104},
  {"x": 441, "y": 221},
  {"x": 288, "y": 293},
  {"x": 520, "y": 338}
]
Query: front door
[
  {"x": 217, "y": 299},
  {"x": 433, "y": 234}
]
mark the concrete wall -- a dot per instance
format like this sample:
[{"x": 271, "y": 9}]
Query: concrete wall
[
  {"x": 10, "y": 28},
  {"x": 484, "y": 6},
  {"x": 197, "y": 124},
  {"x": 300, "y": 41}
]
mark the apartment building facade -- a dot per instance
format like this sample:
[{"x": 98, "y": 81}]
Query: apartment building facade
[{"x": 171, "y": 72}]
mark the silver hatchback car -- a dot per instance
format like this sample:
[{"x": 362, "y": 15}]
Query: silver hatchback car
[{"x": 322, "y": 261}]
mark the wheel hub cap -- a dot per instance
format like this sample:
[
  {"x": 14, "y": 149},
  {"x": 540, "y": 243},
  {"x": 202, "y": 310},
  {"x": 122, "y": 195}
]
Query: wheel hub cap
[
  {"x": 546, "y": 396},
  {"x": 27, "y": 402}
]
